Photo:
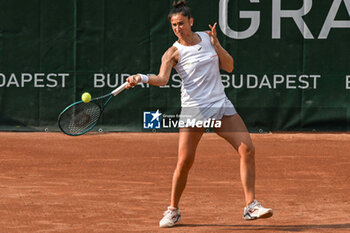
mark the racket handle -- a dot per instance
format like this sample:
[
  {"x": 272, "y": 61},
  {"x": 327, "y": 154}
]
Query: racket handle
[{"x": 119, "y": 89}]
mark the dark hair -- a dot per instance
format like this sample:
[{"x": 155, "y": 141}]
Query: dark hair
[{"x": 180, "y": 7}]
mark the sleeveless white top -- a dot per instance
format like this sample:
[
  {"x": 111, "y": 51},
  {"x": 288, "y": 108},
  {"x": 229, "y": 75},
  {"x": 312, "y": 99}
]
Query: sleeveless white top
[{"x": 198, "y": 67}]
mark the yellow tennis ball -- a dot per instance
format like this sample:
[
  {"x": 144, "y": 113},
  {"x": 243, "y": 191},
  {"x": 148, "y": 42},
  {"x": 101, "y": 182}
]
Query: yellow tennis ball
[{"x": 86, "y": 97}]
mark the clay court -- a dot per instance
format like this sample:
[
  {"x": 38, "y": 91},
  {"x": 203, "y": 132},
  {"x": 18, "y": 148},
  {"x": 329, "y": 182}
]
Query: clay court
[{"x": 120, "y": 182}]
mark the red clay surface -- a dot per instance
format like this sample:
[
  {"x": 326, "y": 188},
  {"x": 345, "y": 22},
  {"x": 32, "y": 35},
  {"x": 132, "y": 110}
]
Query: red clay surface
[{"x": 120, "y": 182}]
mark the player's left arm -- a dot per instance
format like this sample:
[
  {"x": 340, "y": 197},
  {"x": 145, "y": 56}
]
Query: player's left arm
[{"x": 225, "y": 59}]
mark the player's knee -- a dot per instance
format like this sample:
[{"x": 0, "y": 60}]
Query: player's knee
[
  {"x": 185, "y": 163},
  {"x": 247, "y": 152}
]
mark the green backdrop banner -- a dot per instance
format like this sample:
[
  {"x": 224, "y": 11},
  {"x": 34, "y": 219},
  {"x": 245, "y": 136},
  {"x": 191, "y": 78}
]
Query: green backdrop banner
[{"x": 292, "y": 69}]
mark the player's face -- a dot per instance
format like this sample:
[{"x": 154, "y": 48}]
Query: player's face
[{"x": 181, "y": 25}]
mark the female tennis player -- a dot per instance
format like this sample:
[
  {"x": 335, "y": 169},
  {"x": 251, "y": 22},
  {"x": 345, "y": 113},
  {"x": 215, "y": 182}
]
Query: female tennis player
[{"x": 198, "y": 57}]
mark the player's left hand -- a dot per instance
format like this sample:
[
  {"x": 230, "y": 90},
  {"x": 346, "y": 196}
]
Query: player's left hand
[
  {"x": 133, "y": 80},
  {"x": 213, "y": 35}
]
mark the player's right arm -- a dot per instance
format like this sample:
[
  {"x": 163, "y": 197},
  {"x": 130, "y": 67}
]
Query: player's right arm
[{"x": 169, "y": 60}]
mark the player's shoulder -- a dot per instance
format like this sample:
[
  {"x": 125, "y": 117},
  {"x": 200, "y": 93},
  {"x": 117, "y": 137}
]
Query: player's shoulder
[
  {"x": 206, "y": 33},
  {"x": 171, "y": 53},
  {"x": 172, "y": 50}
]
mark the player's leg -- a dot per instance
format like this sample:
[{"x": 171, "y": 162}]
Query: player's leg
[
  {"x": 188, "y": 141},
  {"x": 235, "y": 132}
]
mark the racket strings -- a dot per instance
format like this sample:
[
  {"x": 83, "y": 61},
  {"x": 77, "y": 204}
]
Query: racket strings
[{"x": 79, "y": 118}]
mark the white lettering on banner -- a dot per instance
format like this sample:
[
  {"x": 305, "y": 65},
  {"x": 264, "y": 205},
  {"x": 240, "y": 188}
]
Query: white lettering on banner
[
  {"x": 99, "y": 80},
  {"x": 124, "y": 77},
  {"x": 63, "y": 76},
  {"x": 224, "y": 26},
  {"x": 225, "y": 79},
  {"x": 265, "y": 82},
  {"x": 102, "y": 80},
  {"x": 26, "y": 80},
  {"x": 109, "y": 81},
  {"x": 290, "y": 80},
  {"x": 37, "y": 80},
  {"x": 347, "y": 82},
  {"x": 302, "y": 81},
  {"x": 177, "y": 80},
  {"x": 226, "y": 82},
  {"x": 3, "y": 80},
  {"x": 12, "y": 81},
  {"x": 330, "y": 20},
  {"x": 277, "y": 15},
  {"x": 276, "y": 81},
  {"x": 315, "y": 77},
  {"x": 249, "y": 81},
  {"x": 52, "y": 80}
]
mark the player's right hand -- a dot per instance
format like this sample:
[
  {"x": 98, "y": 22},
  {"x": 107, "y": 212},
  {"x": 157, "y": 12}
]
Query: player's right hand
[{"x": 133, "y": 80}]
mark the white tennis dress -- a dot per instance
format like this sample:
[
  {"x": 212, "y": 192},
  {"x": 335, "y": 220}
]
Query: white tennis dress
[{"x": 202, "y": 91}]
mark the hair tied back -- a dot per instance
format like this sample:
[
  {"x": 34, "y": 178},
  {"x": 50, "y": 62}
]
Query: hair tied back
[
  {"x": 179, "y": 4},
  {"x": 179, "y": 7}
]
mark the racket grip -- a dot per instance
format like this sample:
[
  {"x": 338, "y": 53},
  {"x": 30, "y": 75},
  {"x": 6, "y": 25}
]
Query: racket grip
[{"x": 119, "y": 89}]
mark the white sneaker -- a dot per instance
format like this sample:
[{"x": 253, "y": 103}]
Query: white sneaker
[
  {"x": 171, "y": 216},
  {"x": 254, "y": 211}
]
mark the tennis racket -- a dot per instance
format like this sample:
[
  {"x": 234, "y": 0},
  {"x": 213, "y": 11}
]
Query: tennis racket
[{"x": 79, "y": 117}]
